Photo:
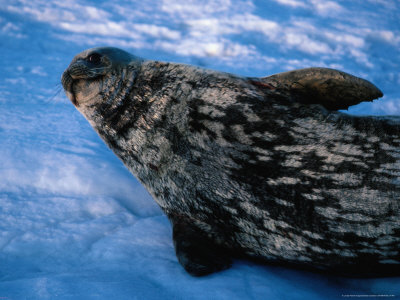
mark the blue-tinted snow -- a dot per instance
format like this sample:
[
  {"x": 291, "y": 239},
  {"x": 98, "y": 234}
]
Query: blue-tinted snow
[{"x": 74, "y": 224}]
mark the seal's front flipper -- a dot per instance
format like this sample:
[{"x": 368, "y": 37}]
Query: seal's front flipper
[
  {"x": 331, "y": 88},
  {"x": 195, "y": 250}
]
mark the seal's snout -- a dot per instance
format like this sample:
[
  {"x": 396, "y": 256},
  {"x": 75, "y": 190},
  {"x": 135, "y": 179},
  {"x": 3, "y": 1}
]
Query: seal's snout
[
  {"x": 66, "y": 80},
  {"x": 67, "y": 83},
  {"x": 79, "y": 70}
]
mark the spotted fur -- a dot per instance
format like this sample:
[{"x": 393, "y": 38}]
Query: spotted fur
[{"x": 249, "y": 166}]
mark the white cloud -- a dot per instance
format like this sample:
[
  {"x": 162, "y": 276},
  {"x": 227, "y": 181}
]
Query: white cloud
[
  {"x": 16, "y": 81},
  {"x": 387, "y": 4},
  {"x": 60, "y": 174},
  {"x": 324, "y": 8},
  {"x": 292, "y": 3},
  {"x": 235, "y": 24},
  {"x": 11, "y": 29},
  {"x": 157, "y": 31},
  {"x": 122, "y": 42},
  {"x": 106, "y": 28},
  {"x": 94, "y": 13},
  {"x": 211, "y": 28},
  {"x": 250, "y": 22},
  {"x": 202, "y": 48},
  {"x": 361, "y": 57},
  {"x": 302, "y": 42},
  {"x": 38, "y": 70},
  {"x": 345, "y": 39},
  {"x": 207, "y": 32},
  {"x": 190, "y": 9},
  {"x": 387, "y": 107},
  {"x": 44, "y": 13},
  {"x": 327, "y": 8},
  {"x": 387, "y": 36}
]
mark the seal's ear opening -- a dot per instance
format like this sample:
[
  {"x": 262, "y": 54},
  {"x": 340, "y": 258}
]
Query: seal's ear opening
[{"x": 331, "y": 88}]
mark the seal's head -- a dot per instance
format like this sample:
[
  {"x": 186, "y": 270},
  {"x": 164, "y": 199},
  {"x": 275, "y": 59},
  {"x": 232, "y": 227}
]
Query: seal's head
[{"x": 95, "y": 70}]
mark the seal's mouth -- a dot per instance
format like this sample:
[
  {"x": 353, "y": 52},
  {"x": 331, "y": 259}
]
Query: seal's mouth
[{"x": 67, "y": 82}]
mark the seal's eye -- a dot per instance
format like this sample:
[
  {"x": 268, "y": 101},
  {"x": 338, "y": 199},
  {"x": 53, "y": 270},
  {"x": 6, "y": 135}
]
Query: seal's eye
[{"x": 94, "y": 58}]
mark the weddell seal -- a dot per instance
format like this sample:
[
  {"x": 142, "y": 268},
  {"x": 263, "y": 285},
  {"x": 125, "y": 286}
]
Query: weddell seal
[{"x": 264, "y": 168}]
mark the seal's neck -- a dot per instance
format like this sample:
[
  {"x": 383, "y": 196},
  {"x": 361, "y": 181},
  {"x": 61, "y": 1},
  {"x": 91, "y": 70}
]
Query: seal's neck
[
  {"x": 114, "y": 89},
  {"x": 128, "y": 108}
]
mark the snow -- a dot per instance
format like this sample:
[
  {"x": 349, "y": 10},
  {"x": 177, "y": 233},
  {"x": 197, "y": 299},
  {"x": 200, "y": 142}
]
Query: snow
[{"x": 74, "y": 223}]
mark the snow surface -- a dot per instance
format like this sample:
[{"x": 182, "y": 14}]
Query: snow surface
[{"x": 74, "y": 224}]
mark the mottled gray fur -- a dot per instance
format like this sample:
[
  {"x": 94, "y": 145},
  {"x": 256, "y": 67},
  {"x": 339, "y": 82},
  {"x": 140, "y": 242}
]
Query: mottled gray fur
[{"x": 255, "y": 167}]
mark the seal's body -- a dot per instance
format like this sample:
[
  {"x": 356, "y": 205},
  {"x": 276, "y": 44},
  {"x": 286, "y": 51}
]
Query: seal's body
[{"x": 257, "y": 167}]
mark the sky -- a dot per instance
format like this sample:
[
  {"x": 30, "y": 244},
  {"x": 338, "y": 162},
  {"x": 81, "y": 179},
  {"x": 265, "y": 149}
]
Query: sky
[{"x": 74, "y": 223}]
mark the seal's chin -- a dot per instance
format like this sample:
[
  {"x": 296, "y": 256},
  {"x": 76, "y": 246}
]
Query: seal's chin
[{"x": 71, "y": 97}]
